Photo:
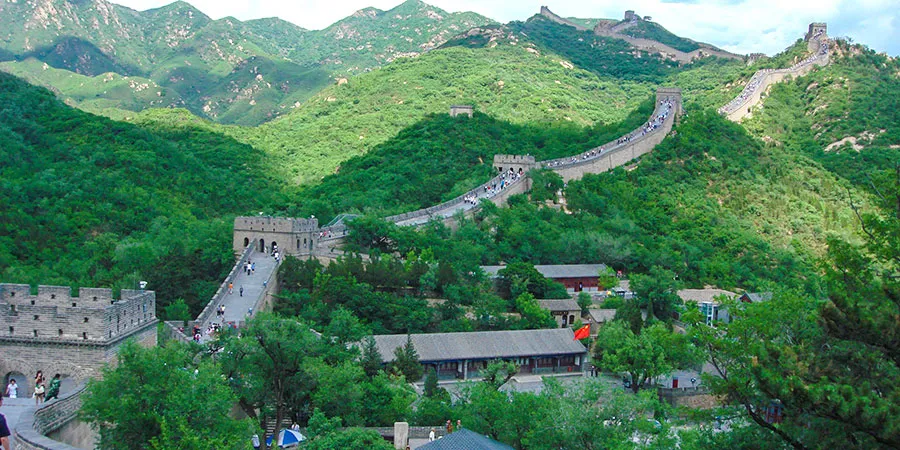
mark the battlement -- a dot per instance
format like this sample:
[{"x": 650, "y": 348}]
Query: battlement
[
  {"x": 275, "y": 224},
  {"x": 503, "y": 163},
  {"x": 55, "y": 314}
]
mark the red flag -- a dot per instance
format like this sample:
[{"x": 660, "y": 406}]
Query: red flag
[{"x": 583, "y": 332}]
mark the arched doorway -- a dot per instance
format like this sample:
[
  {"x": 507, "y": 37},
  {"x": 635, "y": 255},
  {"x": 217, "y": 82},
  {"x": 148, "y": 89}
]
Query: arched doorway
[
  {"x": 274, "y": 246},
  {"x": 21, "y": 382},
  {"x": 246, "y": 242},
  {"x": 262, "y": 245}
]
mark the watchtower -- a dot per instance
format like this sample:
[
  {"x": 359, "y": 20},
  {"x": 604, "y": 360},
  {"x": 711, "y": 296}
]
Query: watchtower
[
  {"x": 74, "y": 335},
  {"x": 292, "y": 236},
  {"x": 456, "y": 110},
  {"x": 503, "y": 163},
  {"x": 630, "y": 16},
  {"x": 816, "y": 29}
]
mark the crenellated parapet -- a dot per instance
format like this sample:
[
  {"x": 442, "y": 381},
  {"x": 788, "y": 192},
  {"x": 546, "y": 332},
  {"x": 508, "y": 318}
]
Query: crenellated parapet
[{"x": 55, "y": 315}]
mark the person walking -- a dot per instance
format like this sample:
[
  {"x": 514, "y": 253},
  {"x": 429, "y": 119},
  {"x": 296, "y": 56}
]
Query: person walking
[
  {"x": 431, "y": 435},
  {"x": 231, "y": 288},
  {"x": 53, "y": 391},
  {"x": 242, "y": 291},
  {"x": 4, "y": 429},
  {"x": 12, "y": 390}
]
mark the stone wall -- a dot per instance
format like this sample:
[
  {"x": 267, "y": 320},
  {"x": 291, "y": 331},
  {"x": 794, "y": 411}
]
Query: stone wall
[
  {"x": 692, "y": 397},
  {"x": 216, "y": 299},
  {"x": 75, "y": 360},
  {"x": 742, "y": 105},
  {"x": 502, "y": 163},
  {"x": 550, "y": 15},
  {"x": 54, "y": 418}
]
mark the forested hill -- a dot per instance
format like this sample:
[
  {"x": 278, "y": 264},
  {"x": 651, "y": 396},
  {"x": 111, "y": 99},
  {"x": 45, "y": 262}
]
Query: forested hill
[
  {"x": 226, "y": 70},
  {"x": 87, "y": 201}
]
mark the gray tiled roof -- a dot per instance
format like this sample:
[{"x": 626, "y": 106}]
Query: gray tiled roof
[
  {"x": 483, "y": 344},
  {"x": 704, "y": 295},
  {"x": 602, "y": 315},
  {"x": 560, "y": 305},
  {"x": 465, "y": 440},
  {"x": 558, "y": 270},
  {"x": 756, "y": 297}
]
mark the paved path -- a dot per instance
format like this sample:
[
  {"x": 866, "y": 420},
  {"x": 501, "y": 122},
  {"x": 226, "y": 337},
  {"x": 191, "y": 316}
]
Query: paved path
[
  {"x": 13, "y": 408},
  {"x": 237, "y": 305}
]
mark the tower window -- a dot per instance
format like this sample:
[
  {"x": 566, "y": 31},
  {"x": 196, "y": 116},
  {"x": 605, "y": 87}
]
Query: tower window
[
  {"x": 36, "y": 317},
  {"x": 60, "y": 331},
  {"x": 74, "y": 304},
  {"x": 52, "y": 296},
  {"x": 85, "y": 320}
]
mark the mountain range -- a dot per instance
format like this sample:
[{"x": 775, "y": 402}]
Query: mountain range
[{"x": 102, "y": 56}]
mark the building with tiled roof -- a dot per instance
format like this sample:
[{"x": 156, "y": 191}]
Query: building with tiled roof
[{"x": 464, "y": 355}]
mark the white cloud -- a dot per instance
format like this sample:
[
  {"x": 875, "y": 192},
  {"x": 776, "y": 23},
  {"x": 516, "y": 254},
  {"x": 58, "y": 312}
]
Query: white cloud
[{"x": 741, "y": 26}]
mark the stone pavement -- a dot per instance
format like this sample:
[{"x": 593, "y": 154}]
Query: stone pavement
[
  {"x": 237, "y": 305},
  {"x": 13, "y": 408}
]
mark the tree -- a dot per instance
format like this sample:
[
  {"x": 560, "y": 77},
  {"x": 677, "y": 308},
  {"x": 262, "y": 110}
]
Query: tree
[
  {"x": 498, "y": 372},
  {"x": 406, "y": 361},
  {"x": 584, "y": 301},
  {"x": 431, "y": 382},
  {"x": 158, "y": 396},
  {"x": 657, "y": 291},
  {"x": 533, "y": 316},
  {"x": 177, "y": 310},
  {"x": 520, "y": 277},
  {"x": 371, "y": 358},
  {"x": 544, "y": 185},
  {"x": 324, "y": 434},
  {"x": 653, "y": 352},
  {"x": 607, "y": 278},
  {"x": 266, "y": 366}
]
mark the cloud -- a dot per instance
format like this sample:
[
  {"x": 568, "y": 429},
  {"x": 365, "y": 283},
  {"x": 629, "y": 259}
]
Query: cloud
[{"x": 742, "y": 26}]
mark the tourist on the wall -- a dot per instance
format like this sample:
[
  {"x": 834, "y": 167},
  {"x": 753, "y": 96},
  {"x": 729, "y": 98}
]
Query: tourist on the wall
[
  {"x": 39, "y": 393},
  {"x": 4, "y": 430},
  {"x": 12, "y": 390},
  {"x": 53, "y": 391}
]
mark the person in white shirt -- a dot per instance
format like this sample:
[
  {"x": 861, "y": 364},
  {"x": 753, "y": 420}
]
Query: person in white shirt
[{"x": 12, "y": 390}]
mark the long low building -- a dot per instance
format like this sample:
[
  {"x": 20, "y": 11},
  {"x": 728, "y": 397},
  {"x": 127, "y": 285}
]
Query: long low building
[
  {"x": 575, "y": 277},
  {"x": 464, "y": 355}
]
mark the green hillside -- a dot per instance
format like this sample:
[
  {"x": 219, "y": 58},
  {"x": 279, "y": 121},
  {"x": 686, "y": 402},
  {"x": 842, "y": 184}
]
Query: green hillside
[
  {"x": 442, "y": 157},
  {"x": 656, "y": 32},
  {"x": 226, "y": 70},
  {"x": 92, "y": 202},
  {"x": 507, "y": 82}
]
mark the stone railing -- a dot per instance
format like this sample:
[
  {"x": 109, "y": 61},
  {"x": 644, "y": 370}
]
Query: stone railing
[
  {"x": 35, "y": 423},
  {"x": 749, "y": 96},
  {"x": 171, "y": 331},
  {"x": 216, "y": 299}
]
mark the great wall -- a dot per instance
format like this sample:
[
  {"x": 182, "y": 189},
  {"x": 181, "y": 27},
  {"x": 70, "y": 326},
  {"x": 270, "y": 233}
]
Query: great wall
[
  {"x": 77, "y": 334},
  {"x": 614, "y": 30},
  {"x": 742, "y": 105}
]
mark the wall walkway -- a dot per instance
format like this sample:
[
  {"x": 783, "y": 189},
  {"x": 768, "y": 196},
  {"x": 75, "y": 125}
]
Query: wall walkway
[{"x": 742, "y": 105}]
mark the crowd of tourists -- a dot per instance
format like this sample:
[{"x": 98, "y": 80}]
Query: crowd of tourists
[
  {"x": 664, "y": 108},
  {"x": 757, "y": 78}
]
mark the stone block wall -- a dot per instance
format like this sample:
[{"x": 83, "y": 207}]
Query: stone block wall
[
  {"x": 57, "y": 315},
  {"x": 72, "y": 359}
]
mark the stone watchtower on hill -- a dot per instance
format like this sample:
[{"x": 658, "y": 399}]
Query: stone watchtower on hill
[
  {"x": 503, "y": 163},
  {"x": 818, "y": 31},
  {"x": 465, "y": 110},
  {"x": 292, "y": 236},
  {"x": 73, "y": 335}
]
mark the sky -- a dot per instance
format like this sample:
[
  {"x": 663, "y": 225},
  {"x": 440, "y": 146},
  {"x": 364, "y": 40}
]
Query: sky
[{"x": 741, "y": 26}]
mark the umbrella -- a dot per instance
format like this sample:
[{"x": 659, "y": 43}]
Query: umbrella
[{"x": 287, "y": 438}]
